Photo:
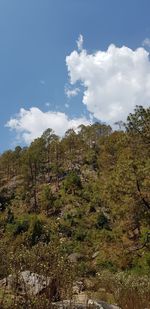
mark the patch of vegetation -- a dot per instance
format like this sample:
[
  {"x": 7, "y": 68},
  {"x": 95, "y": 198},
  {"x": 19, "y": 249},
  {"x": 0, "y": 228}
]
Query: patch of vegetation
[{"x": 86, "y": 194}]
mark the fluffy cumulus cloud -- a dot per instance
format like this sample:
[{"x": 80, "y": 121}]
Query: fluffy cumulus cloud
[
  {"x": 30, "y": 124},
  {"x": 115, "y": 80}
]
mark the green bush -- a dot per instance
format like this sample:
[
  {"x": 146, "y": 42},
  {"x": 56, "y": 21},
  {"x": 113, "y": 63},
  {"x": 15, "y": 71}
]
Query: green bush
[
  {"x": 21, "y": 226},
  {"x": 18, "y": 227},
  {"x": 38, "y": 232},
  {"x": 80, "y": 234},
  {"x": 102, "y": 222},
  {"x": 65, "y": 228},
  {"x": 72, "y": 182}
]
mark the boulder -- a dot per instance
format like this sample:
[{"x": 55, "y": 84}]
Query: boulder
[
  {"x": 78, "y": 287},
  {"x": 89, "y": 284},
  {"x": 75, "y": 257},
  {"x": 30, "y": 283},
  {"x": 80, "y": 299},
  {"x": 33, "y": 282},
  {"x": 83, "y": 303},
  {"x": 101, "y": 304}
]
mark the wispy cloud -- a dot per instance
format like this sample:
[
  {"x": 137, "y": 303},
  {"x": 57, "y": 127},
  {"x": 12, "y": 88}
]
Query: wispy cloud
[
  {"x": 48, "y": 104},
  {"x": 71, "y": 92},
  {"x": 80, "y": 42},
  {"x": 146, "y": 42}
]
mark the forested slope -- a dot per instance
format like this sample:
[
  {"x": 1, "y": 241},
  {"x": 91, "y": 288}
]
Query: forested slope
[{"x": 85, "y": 196}]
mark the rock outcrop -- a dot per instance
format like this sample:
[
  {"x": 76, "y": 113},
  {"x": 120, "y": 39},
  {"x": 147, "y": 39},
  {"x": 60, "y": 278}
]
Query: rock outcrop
[
  {"x": 27, "y": 282},
  {"x": 84, "y": 304},
  {"x": 30, "y": 283}
]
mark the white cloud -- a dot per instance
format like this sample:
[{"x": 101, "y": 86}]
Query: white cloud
[
  {"x": 71, "y": 92},
  {"x": 80, "y": 42},
  {"x": 146, "y": 42},
  {"x": 30, "y": 124},
  {"x": 114, "y": 80}
]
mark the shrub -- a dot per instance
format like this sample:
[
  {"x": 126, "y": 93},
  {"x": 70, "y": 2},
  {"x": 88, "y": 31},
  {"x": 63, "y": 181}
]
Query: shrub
[
  {"x": 129, "y": 291},
  {"x": 21, "y": 226},
  {"x": 38, "y": 232},
  {"x": 80, "y": 234},
  {"x": 72, "y": 182},
  {"x": 102, "y": 222}
]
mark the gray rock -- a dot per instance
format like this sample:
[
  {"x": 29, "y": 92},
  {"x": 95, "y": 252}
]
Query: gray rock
[
  {"x": 81, "y": 301},
  {"x": 26, "y": 282},
  {"x": 80, "y": 298},
  {"x": 78, "y": 287},
  {"x": 67, "y": 304},
  {"x": 33, "y": 282},
  {"x": 75, "y": 257},
  {"x": 101, "y": 304},
  {"x": 95, "y": 254}
]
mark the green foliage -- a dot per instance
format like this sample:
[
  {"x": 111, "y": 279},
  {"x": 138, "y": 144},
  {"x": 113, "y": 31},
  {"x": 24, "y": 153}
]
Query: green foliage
[
  {"x": 80, "y": 234},
  {"x": 17, "y": 227},
  {"x": 41, "y": 259},
  {"x": 90, "y": 190},
  {"x": 72, "y": 182},
  {"x": 129, "y": 291},
  {"x": 46, "y": 199},
  {"x": 5, "y": 198},
  {"x": 38, "y": 232},
  {"x": 65, "y": 228},
  {"x": 21, "y": 226},
  {"x": 102, "y": 222},
  {"x": 10, "y": 216},
  {"x": 138, "y": 123}
]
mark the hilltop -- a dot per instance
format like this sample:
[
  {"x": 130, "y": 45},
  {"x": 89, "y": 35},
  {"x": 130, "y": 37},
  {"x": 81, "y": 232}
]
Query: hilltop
[{"x": 79, "y": 208}]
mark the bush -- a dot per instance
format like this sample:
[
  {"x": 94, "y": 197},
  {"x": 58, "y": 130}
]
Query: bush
[
  {"x": 102, "y": 222},
  {"x": 65, "y": 228},
  {"x": 80, "y": 234},
  {"x": 42, "y": 259},
  {"x": 129, "y": 291},
  {"x": 38, "y": 232},
  {"x": 21, "y": 226},
  {"x": 72, "y": 182}
]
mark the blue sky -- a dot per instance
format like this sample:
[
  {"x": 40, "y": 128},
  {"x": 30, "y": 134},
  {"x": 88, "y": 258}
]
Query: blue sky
[{"x": 36, "y": 36}]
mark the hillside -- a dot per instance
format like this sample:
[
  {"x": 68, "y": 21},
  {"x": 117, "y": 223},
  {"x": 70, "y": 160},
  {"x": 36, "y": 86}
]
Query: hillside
[{"x": 78, "y": 208}]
